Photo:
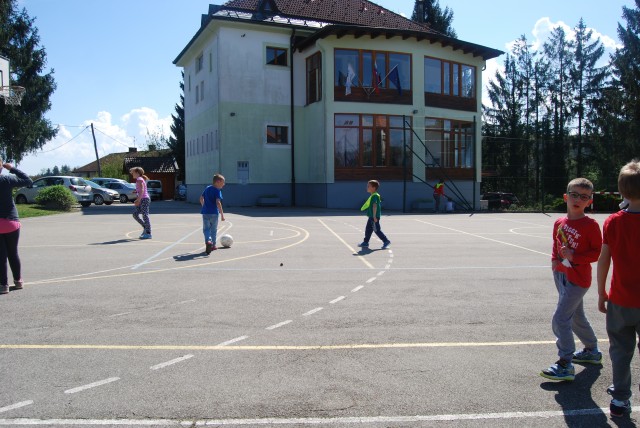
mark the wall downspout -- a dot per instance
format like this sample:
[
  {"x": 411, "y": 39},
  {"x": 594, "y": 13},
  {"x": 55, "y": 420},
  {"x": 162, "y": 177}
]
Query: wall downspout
[{"x": 293, "y": 125}]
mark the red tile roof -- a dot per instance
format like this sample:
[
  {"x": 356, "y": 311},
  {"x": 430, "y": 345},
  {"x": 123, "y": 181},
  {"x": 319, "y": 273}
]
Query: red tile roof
[{"x": 353, "y": 12}]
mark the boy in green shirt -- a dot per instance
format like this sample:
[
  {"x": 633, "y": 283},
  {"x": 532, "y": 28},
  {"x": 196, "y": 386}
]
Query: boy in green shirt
[{"x": 373, "y": 208}]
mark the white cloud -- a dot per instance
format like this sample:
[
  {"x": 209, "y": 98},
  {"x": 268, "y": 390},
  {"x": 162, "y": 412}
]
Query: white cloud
[{"x": 74, "y": 146}]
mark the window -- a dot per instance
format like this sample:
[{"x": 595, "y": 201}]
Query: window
[
  {"x": 199, "y": 63},
  {"x": 277, "y": 135},
  {"x": 314, "y": 78},
  {"x": 372, "y": 76},
  {"x": 449, "y": 143},
  {"x": 449, "y": 78},
  {"x": 202, "y": 91},
  {"x": 366, "y": 141},
  {"x": 277, "y": 56}
]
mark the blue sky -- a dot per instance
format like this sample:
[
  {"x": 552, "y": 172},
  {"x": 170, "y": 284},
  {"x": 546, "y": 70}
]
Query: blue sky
[{"x": 113, "y": 60}]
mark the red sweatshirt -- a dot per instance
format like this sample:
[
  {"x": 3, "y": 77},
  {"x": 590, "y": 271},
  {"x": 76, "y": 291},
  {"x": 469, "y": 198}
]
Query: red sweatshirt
[{"x": 583, "y": 236}]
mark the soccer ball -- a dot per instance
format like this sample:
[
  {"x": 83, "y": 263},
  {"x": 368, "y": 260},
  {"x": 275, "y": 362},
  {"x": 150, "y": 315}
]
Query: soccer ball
[{"x": 226, "y": 241}]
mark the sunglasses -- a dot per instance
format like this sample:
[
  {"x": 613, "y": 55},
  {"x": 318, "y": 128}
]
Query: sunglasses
[{"x": 581, "y": 196}]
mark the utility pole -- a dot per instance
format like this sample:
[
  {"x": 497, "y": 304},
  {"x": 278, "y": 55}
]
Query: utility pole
[{"x": 95, "y": 146}]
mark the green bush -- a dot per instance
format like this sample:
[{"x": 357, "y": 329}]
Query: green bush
[{"x": 56, "y": 197}]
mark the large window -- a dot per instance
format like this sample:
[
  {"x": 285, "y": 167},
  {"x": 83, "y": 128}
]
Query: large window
[
  {"x": 277, "y": 56},
  {"x": 314, "y": 78},
  {"x": 366, "y": 143},
  {"x": 449, "y": 143},
  {"x": 449, "y": 78},
  {"x": 372, "y": 76}
]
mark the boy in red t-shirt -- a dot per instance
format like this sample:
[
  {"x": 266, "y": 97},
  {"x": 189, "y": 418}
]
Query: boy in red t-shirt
[
  {"x": 620, "y": 244},
  {"x": 576, "y": 244}
]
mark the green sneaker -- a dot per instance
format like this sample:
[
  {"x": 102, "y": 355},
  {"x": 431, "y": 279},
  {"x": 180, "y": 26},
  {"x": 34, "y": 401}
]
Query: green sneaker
[
  {"x": 588, "y": 356},
  {"x": 561, "y": 370}
]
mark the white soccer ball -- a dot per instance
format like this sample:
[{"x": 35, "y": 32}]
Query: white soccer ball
[{"x": 226, "y": 241}]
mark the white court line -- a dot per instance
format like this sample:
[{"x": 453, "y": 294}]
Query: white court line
[
  {"x": 370, "y": 280},
  {"x": 358, "y": 288},
  {"x": 15, "y": 406},
  {"x": 120, "y": 314},
  {"x": 186, "y": 301},
  {"x": 387, "y": 266},
  {"x": 229, "y": 342},
  {"x": 168, "y": 363},
  {"x": 312, "y": 311},
  {"x": 337, "y": 300},
  {"x": 381, "y": 272},
  {"x": 347, "y": 245},
  {"x": 164, "y": 249},
  {"x": 280, "y": 324},
  {"x": 484, "y": 237},
  {"x": 91, "y": 385},
  {"x": 540, "y": 416},
  {"x": 390, "y": 261}
]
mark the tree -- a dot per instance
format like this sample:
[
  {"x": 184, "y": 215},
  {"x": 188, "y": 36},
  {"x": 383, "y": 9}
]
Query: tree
[
  {"x": 24, "y": 129},
  {"x": 177, "y": 139},
  {"x": 626, "y": 78},
  {"x": 429, "y": 12},
  {"x": 587, "y": 80},
  {"x": 156, "y": 140}
]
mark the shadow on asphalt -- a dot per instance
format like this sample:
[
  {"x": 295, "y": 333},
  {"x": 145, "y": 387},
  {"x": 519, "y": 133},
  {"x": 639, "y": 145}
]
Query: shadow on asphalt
[
  {"x": 118, "y": 241},
  {"x": 576, "y": 395},
  {"x": 365, "y": 251},
  {"x": 191, "y": 256}
]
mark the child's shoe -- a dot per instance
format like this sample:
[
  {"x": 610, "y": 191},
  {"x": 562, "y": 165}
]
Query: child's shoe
[
  {"x": 213, "y": 248},
  {"x": 386, "y": 245},
  {"x": 561, "y": 370},
  {"x": 619, "y": 408},
  {"x": 145, "y": 236},
  {"x": 4, "y": 289},
  {"x": 17, "y": 285},
  {"x": 208, "y": 246},
  {"x": 588, "y": 356},
  {"x": 363, "y": 245}
]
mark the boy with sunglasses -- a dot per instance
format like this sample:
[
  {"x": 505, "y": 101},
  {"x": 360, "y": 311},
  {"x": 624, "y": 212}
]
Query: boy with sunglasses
[{"x": 576, "y": 244}]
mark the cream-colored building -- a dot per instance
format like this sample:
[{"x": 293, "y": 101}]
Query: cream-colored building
[{"x": 307, "y": 101}]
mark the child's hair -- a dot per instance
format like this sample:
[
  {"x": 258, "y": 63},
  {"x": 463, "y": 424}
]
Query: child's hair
[
  {"x": 218, "y": 177},
  {"x": 580, "y": 182},
  {"x": 374, "y": 183},
  {"x": 629, "y": 180},
  {"x": 138, "y": 170}
]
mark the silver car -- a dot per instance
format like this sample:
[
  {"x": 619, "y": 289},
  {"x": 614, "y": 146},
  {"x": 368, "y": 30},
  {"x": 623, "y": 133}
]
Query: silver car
[
  {"x": 102, "y": 195},
  {"x": 79, "y": 188},
  {"x": 100, "y": 181},
  {"x": 127, "y": 191}
]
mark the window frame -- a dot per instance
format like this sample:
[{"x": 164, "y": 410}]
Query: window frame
[
  {"x": 279, "y": 127},
  {"x": 275, "y": 50},
  {"x": 457, "y": 145},
  {"x": 314, "y": 74}
]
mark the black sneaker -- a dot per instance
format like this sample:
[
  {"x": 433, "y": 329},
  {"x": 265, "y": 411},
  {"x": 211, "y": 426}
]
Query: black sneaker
[
  {"x": 619, "y": 408},
  {"x": 208, "y": 247}
]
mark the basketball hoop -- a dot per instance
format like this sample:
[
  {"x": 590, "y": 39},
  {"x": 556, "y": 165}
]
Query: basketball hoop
[{"x": 12, "y": 95}]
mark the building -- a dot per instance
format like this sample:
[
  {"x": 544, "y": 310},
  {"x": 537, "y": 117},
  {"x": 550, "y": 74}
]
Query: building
[{"x": 307, "y": 100}]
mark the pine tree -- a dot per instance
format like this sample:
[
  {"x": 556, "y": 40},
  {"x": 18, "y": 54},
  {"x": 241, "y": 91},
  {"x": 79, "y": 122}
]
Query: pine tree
[
  {"x": 429, "y": 12},
  {"x": 177, "y": 139},
  {"x": 23, "y": 128},
  {"x": 587, "y": 80}
]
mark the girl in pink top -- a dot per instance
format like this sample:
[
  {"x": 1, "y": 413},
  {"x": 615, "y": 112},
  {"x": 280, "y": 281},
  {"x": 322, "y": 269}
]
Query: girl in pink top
[{"x": 142, "y": 202}]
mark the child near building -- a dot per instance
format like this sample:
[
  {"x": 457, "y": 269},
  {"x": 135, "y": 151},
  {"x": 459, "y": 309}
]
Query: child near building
[
  {"x": 142, "y": 202},
  {"x": 211, "y": 201},
  {"x": 576, "y": 244},
  {"x": 373, "y": 208},
  {"x": 621, "y": 235}
]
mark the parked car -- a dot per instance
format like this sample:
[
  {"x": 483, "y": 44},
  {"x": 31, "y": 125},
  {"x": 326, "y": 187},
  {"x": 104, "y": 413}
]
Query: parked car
[
  {"x": 127, "y": 191},
  {"x": 79, "y": 188},
  {"x": 102, "y": 195},
  {"x": 154, "y": 188},
  {"x": 100, "y": 181},
  {"x": 500, "y": 200}
]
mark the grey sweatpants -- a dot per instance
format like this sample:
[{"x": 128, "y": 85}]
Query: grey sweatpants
[
  {"x": 570, "y": 318},
  {"x": 623, "y": 325}
]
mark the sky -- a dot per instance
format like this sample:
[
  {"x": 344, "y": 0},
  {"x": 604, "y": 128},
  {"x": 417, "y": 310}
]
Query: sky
[{"x": 113, "y": 60}]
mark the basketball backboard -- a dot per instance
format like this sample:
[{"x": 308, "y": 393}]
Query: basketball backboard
[{"x": 12, "y": 95}]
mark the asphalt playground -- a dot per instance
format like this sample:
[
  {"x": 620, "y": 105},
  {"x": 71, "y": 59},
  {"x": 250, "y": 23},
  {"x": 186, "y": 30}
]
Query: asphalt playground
[{"x": 293, "y": 325}]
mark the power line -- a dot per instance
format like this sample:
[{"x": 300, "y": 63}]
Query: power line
[
  {"x": 109, "y": 136},
  {"x": 67, "y": 142}
]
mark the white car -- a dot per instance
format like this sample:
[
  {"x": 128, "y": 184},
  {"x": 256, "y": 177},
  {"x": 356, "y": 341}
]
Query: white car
[{"x": 80, "y": 189}]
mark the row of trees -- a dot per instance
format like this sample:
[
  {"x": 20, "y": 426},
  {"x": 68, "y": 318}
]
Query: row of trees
[{"x": 564, "y": 111}]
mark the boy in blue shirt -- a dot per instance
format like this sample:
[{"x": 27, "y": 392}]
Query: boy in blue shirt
[
  {"x": 211, "y": 201},
  {"x": 373, "y": 208}
]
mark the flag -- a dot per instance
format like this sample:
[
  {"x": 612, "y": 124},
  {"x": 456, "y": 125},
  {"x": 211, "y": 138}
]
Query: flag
[
  {"x": 376, "y": 80},
  {"x": 394, "y": 77},
  {"x": 350, "y": 76}
]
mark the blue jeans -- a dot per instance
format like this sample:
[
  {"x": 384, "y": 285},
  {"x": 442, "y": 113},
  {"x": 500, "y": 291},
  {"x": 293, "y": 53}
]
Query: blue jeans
[
  {"x": 210, "y": 227},
  {"x": 570, "y": 318},
  {"x": 374, "y": 227}
]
